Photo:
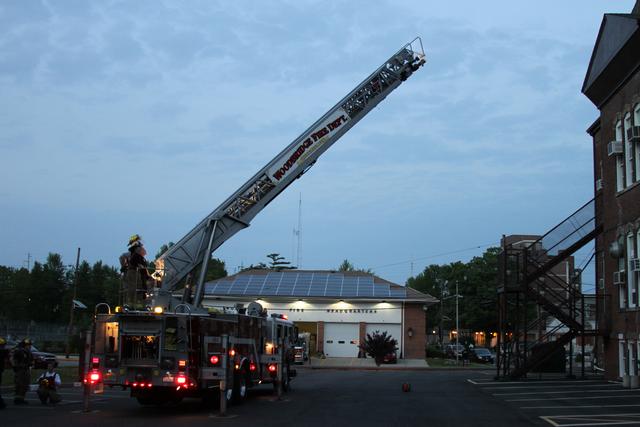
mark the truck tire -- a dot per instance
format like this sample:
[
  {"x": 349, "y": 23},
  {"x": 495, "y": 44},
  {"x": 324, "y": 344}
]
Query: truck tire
[{"x": 240, "y": 385}]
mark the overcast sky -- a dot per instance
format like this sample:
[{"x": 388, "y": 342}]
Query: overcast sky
[{"x": 143, "y": 116}]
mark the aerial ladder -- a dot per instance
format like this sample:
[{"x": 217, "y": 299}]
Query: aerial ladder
[{"x": 194, "y": 250}]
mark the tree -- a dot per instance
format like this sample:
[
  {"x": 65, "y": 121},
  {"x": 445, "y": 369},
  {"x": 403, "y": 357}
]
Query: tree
[
  {"x": 278, "y": 262},
  {"x": 348, "y": 266},
  {"x": 215, "y": 270},
  {"x": 164, "y": 248},
  {"x": 477, "y": 284},
  {"x": 378, "y": 345}
]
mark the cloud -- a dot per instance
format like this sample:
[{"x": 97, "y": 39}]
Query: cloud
[{"x": 184, "y": 101}]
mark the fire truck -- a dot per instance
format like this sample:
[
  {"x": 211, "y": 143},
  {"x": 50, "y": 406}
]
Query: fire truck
[{"x": 177, "y": 348}]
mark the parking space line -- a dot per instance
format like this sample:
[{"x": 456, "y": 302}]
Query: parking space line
[
  {"x": 592, "y": 420},
  {"x": 550, "y": 421},
  {"x": 522, "y": 393},
  {"x": 483, "y": 382},
  {"x": 572, "y": 398},
  {"x": 578, "y": 406},
  {"x": 553, "y": 386}
]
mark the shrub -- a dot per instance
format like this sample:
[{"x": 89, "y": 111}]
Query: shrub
[
  {"x": 434, "y": 351},
  {"x": 378, "y": 345}
]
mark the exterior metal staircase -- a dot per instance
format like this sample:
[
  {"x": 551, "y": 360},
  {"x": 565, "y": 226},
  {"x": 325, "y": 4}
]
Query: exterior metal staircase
[{"x": 539, "y": 311}]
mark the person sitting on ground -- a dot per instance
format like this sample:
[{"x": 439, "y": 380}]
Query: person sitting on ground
[{"x": 48, "y": 384}]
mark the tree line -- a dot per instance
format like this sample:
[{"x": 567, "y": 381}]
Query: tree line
[
  {"x": 43, "y": 294},
  {"x": 477, "y": 286}
]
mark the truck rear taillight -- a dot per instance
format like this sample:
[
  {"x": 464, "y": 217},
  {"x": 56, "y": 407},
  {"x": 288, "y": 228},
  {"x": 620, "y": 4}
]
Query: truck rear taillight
[
  {"x": 93, "y": 377},
  {"x": 252, "y": 366},
  {"x": 183, "y": 382},
  {"x": 182, "y": 365},
  {"x": 273, "y": 368},
  {"x": 95, "y": 362},
  {"x": 141, "y": 385},
  {"x": 214, "y": 360}
]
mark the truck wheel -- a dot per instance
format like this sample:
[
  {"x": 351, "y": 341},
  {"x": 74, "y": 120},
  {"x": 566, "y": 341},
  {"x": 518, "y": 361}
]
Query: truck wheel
[{"x": 240, "y": 386}]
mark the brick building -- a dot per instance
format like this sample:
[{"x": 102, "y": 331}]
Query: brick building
[
  {"x": 612, "y": 83},
  {"x": 336, "y": 309}
]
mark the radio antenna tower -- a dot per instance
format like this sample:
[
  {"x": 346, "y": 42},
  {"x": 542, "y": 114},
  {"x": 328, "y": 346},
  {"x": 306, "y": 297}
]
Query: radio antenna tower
[{"x": 298, "y": 232}]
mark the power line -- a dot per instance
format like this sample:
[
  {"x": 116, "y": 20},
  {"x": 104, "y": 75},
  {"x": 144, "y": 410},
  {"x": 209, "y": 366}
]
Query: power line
[{"x": 436, "y": 255}]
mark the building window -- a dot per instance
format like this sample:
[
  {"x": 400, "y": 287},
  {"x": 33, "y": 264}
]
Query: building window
[
  {"x": 637, "y": 353},
  {"x": 628, "y": 151},
  {"x": 619, "y": 160},
  {"x": 622, "y": 365},
  {"x": 621, "y": 284},
  {"x": 636, "y": 122},
  {"x": 632, "y": 283},
  {"x": 632, "y": 358}
]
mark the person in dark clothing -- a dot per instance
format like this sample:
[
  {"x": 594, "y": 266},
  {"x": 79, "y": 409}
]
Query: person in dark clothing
[
  {"x": 4, "y": 358},
  {"x": 22, "y": 360},
  {"x": 137, "y": 277}
]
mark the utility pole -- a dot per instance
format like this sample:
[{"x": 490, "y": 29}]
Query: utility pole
[
  {"x": 457, "y": 326},
  {"x": 73, "y": 304},
  {"x": 442, "y": 285}
]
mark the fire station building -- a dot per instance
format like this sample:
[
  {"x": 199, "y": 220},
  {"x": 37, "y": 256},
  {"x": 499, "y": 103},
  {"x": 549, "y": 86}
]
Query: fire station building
[{"x": 337, "y": 309}]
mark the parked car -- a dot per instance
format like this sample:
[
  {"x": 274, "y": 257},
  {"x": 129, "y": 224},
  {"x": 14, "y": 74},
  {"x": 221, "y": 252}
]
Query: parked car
[
  {"x": 452, "y": 350},
  {"x": 390, "y": 358},
  {"x": 482, "y": 355},
  {"x": 40, "y": 358}
]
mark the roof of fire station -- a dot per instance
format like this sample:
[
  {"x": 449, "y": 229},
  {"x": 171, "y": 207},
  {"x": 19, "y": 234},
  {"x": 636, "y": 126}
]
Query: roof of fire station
[{"x": 312, "y": 284}]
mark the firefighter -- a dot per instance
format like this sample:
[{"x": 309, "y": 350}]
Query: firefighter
[
  {"x": 4, "y": 358},
  {"x": 136, "y": 277},
  {"x": 48, "y": 384},
  {"x": 22, "y": 360}
]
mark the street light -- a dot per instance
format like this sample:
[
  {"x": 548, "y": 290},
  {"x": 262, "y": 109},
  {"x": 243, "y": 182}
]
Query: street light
[
  {"x": 457, "y": 296},
  {"x": 73, "y": 305}
]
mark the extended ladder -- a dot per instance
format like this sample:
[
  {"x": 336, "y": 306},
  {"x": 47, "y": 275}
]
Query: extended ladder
[{"x": 237, "y": 211}]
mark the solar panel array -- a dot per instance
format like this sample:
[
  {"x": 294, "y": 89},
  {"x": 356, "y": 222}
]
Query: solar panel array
[{"x": 304, "y": 284}]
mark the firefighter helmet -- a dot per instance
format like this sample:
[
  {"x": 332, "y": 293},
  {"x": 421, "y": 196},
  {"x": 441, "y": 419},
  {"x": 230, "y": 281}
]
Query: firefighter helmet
[{"x": 135, "y": 240}]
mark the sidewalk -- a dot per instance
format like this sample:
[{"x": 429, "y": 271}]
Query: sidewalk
[{"x": 353, "y": 363}]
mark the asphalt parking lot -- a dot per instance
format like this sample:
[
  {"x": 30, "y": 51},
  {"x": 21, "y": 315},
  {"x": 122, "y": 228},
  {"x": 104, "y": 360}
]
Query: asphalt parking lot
[
  {"x": 318, "y": 398},
  {"x": 354, "y": 398},
  {"x": 567, "y": 402}
]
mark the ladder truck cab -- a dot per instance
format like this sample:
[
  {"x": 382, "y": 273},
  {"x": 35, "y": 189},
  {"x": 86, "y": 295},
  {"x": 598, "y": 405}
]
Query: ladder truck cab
[
  {"x": 164, "y": 357},
  {"x": 177, "y": 348}
]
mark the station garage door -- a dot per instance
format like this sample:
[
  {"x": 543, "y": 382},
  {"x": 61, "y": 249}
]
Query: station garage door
[
  {"x": 393, "y": 329},
  {"x": 341, "y": 339}
]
